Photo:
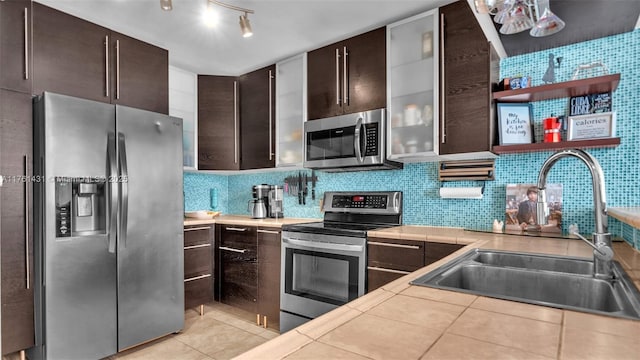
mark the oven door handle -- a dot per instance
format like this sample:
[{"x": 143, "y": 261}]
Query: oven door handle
[{"x": 322, "y": 245}]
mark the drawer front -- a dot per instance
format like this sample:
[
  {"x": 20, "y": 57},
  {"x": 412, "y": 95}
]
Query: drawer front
[
  {"x": 377, "y": 277},
  {"x": 436, "y": 251},
  {"x": 198, "y": 292},
  {"x": 197, "y": 261},
  {"x": 238, "y": 237},
  {"x": 197, "y": 235},
  {"x": 395, "y": 254}
]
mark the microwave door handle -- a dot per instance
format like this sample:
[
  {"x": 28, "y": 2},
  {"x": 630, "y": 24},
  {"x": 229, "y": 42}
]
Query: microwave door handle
[{"x": 356, "y": 140}]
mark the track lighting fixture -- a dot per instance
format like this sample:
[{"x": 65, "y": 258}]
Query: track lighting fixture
[
  {"x": 166, "y": 5},
  {"x": 245, "y": 25}
]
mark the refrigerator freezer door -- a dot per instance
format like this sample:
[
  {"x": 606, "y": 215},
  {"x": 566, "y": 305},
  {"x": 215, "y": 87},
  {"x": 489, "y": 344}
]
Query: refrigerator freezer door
[
  {"x": 150, "y": 241},
  {"x": 79, "y": 271}
]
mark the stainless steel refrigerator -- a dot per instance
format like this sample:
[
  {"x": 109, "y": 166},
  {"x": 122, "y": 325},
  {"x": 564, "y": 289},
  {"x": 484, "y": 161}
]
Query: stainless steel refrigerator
[{"x": 109, "y": 234}]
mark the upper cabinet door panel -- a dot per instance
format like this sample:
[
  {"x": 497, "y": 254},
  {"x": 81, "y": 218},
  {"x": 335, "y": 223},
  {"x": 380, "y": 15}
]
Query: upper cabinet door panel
[
  {"x": 218, "y": 123},
  {"x": 140, "y": 74},
  {"x": 365, "y": 73},
  {"x": 257, "y": 118},
  {"x": 15, "y": 45},
  {"x": 70, "y": 55},
  {"x": 467, "y": 93},
  {"x": 324, "y": 82}
]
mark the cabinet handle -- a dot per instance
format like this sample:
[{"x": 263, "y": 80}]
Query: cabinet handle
[
  {"x": 337, "y": 76},
  {"x": 402, "y": 246},
  {"x": 443, "y": 131},
  {"x": 117, "y": 69},
  {"x": 235, "y": 229},
  {"x": 106, "y": 66},
  {"x": 233, "y": 250},
  {"x": 345, "y": 77},
  {"x": 235, "y": 122},
  {"x": 197, "y": 277},
  {"x": 26, "y": 221},
  {"x": 198, "y": 228},
  {"x": 270, "y": 118},
  {"x": 268, "y": 231},
  {"x": 196, "y": 246},
  {"x": 388, "y": 270},
  {"x": 26, "y": 44}
]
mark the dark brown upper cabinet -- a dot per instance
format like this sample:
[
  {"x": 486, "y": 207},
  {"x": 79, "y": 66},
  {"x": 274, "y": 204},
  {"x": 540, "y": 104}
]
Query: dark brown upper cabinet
[
  {"x": 257, "y": 119},
  {"x": 140, "y": 74},
  {"x": 15, "y": 45},
  {"x": 348, "y": 76},
  {"x": 16, "y": 224},
  {"x": 74, "y": 57},
  {"x": 218, "y": 123},
  {"x": 468, "y": 67}
]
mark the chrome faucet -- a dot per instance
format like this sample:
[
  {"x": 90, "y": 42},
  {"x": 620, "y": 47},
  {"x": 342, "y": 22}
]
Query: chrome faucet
[{"x": 603, "y": 252}]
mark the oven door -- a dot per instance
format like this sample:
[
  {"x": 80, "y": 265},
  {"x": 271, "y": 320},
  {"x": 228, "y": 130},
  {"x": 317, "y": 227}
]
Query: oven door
[{"x": 320, "y": 272}]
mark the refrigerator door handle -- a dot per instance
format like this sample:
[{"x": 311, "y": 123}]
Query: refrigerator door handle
[
  {"x": 112, "y": 183},
  {"x": 123, "y": 180}
]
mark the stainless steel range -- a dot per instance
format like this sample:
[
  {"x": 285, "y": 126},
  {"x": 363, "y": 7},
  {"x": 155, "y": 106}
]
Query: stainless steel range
[{"x": 324, "y": 263}]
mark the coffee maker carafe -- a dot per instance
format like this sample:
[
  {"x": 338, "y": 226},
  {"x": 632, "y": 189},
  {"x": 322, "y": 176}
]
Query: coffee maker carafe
[
  {"x": 274, "y": 205},
  {"x": 259, "y": 205}
]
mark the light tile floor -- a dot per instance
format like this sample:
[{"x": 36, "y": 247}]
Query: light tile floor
[{"x": 223, "y": 332}]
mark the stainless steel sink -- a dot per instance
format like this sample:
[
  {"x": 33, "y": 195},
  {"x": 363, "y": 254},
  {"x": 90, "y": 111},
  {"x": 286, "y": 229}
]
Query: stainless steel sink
[{"x": 562, "y": 282}]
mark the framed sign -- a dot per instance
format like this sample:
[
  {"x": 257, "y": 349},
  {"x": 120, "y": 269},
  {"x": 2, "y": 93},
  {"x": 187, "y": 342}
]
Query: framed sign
[
  {"x": 515, "y": 123},
  {"x": 592, "y": 126}
]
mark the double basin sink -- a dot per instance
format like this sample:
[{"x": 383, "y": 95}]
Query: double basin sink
[{"x": 556, "y": 281}]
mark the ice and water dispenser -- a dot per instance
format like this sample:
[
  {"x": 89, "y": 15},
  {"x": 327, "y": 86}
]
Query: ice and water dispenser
[{"x": 80, "y": 207}]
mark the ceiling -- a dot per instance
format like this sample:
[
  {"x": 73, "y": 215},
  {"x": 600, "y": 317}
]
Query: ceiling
[{"x": 283, "y": 28}]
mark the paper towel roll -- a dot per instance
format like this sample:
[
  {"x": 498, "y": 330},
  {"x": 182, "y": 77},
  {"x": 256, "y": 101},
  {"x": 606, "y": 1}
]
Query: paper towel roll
[{"x": 461, "y": 192}]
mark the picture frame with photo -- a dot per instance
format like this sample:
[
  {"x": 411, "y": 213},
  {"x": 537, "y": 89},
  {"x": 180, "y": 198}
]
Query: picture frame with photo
[
  {"x": 521, "y": 212},
  {"x": 515, "y": 123}
]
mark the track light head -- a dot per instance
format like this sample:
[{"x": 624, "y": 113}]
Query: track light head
[
  {"x": 166, "y": 5},
  {"x": 245, "y": 26}
]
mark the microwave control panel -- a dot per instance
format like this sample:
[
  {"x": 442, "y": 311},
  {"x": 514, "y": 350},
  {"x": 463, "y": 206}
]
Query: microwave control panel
[
  {"x": 359, "y": 201},
  {"x": 371, "y": 147}
]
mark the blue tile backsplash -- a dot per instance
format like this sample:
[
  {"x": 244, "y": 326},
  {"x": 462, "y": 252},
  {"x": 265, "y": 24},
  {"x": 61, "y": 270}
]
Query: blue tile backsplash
[{"x": 419, "y": 182}]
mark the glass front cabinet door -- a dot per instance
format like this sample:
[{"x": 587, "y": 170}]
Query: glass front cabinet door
[
  {"x": 412, "y": 88},
  {"x": 290, "y": 110}
]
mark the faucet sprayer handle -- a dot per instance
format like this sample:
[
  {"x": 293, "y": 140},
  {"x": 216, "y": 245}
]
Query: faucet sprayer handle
[{"x": 602, "y": 252}]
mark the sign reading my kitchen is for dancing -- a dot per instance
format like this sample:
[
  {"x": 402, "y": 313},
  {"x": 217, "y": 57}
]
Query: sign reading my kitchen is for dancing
[{"x": 514, "y": 123}]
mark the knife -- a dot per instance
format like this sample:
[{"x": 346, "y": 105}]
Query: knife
[
  {"x": 304, "y": 190},
  {"x": 313, "y": 184},
  {"x": 300, "y": 188}
]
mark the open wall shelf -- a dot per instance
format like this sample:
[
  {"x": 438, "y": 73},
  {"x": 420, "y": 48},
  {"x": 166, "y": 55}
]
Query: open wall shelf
[
  {"x": 565, "y": 89},
  {"x": 582, "y": 144}
]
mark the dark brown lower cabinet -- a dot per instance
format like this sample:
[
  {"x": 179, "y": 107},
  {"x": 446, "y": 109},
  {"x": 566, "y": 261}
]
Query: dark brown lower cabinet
[
  {"x": 391, "y": 259},
  {"x": 16, "y": 227},
  {"x": 238, "y": 266},
  {"x": 434, "y": 251},
  {"x": 269, "y": 277},
  {"x": 198, "y": 266},
  {"x": 249, "y": 270}
]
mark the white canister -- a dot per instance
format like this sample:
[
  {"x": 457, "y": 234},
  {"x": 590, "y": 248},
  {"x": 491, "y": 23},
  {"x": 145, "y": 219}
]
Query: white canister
[{"x": 410, "y": 115}]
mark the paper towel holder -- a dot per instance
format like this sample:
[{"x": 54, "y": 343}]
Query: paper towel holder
[{"x": 465, "y": 192}]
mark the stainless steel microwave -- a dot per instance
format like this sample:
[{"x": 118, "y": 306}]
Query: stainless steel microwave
[{"x": 347, "y": 142}]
